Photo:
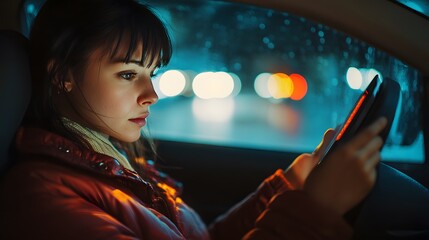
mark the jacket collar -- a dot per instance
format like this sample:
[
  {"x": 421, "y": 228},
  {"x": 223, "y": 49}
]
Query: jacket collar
[{"x": 37, "y": 141}]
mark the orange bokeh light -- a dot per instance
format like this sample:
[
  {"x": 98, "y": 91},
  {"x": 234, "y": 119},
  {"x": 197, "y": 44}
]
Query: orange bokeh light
[
  {"x": 280, "y": 85},
  {"x": 300, "y": 87}
]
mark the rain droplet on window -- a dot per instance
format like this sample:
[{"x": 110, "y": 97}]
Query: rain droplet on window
[
  {"x": 345, "y": 54},
  {"x": 266, "y": 40},
  {"x": 348, "y": 40}
]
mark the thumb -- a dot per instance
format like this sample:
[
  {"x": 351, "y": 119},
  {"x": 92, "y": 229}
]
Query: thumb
[{"x": 328, "y": 136}]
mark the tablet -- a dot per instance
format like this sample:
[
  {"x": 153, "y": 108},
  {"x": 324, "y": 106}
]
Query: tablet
[{"x": 379, "y": 99}]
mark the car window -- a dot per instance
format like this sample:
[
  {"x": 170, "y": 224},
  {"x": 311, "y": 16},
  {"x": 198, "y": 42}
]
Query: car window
[
  {"x": 250, "y": 77},
  {"x": 420, "y": 6}
]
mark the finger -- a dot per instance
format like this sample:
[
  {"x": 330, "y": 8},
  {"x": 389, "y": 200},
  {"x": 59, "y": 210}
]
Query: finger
[
  {"x": 329, "y": 135},
  {"x": 372, "y": 162},
  {"x": 368, "y": 133},
  {"x": 372, "y": 145},
  {"x": 370, "y": 150},
  {"x": 369, "y": 180},
  {"x": 327, "y": 138},
  {"x": 372, "y": 177}
]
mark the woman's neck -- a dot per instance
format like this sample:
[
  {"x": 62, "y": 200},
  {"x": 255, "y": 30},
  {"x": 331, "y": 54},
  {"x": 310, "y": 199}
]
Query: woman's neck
[{"x": 99, "y": 142}]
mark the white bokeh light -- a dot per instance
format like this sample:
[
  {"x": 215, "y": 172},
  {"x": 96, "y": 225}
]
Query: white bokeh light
[
  {"x": 354, "y": 78},
  {"x": 261, "y": 85},
  {"x": 209, "y": 85},
  {"x": 224, "y": 84},
  {"x": 237, "y": 84},
  {"x": 172, "y": 83},
  {"x": 200, "y": 85},
  {"x": 367, "y": 75}
]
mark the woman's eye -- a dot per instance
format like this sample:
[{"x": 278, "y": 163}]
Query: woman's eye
[
  {"x": 154, "y": 73},
  {"x": 127, "y": 75}
]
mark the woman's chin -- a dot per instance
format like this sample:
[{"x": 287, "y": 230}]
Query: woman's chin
[{"x": 128, "y": 138}]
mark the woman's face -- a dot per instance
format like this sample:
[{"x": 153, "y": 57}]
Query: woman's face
[{"x": 114, "y": 97}]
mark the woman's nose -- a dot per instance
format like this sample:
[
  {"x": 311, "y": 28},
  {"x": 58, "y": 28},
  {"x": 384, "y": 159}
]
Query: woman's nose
[{"x": 147, "y": 95}]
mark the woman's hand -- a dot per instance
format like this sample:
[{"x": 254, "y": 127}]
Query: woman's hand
[
  {"x": 298, "y": 171},
  {"x": 343, "y": 179}
]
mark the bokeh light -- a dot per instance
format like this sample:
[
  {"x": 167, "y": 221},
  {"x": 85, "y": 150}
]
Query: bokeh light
[
  {"x": 368, "y": 75},
  {"x": 261, "y": 85},
  {"x": 300, "y": 87},
  {"x": 354, "y": 78},
  {"x": 237, "y": 84},
  {"x": 280, "y": 85},
  {"x": 172, "y": 83},
  {"x": 209, "y": 85}
]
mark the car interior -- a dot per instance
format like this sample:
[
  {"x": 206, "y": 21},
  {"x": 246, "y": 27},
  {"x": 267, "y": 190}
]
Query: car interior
[
  {"x": 219, "y": 173},
  {"x": 13, "y": 65}
]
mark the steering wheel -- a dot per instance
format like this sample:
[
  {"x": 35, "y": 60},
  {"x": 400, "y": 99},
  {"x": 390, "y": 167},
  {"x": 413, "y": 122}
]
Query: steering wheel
[{"x": 396, "y": 208}]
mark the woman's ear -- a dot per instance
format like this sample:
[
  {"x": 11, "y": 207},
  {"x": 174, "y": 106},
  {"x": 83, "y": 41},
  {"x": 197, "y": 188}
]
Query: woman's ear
[
  {"x": 62, "y": 83},
  {"x": 68, "y": 84}
]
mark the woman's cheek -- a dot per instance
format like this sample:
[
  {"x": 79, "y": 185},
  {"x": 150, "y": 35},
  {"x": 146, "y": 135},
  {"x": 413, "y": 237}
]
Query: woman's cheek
[{"x": 119, "y": 105}]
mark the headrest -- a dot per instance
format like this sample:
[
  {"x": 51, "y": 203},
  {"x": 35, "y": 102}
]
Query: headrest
[{"x": 15, "y": 90}]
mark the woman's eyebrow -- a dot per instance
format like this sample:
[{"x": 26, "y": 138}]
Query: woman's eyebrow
[{"x": 119, "y": 60}]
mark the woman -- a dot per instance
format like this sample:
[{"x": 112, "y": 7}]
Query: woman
[{"x": 82, "y": 172}]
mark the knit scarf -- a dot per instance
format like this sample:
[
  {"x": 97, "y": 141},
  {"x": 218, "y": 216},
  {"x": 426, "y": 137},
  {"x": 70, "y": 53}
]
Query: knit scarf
[{"x": 99, "y": 142}]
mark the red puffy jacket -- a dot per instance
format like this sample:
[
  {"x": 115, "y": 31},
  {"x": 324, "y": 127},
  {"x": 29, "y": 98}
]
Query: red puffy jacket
[{"x": 59, "y": 191}]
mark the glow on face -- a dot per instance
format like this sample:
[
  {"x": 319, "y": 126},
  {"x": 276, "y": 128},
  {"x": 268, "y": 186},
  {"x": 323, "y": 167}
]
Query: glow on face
[{"x": 114, "y": 97}]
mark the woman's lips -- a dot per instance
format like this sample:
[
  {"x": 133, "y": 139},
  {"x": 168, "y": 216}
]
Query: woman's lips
[{"x": 141, "y": 121}]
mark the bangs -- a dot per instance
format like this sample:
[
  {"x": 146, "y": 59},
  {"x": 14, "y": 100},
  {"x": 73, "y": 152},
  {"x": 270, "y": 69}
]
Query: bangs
[{"x": 140, "y": 29}]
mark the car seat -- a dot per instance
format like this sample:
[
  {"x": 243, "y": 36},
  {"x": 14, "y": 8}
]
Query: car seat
[{"x": 15, "y": 90}]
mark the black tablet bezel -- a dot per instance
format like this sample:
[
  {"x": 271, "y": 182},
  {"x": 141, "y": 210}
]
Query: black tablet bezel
[{"x": 379, "y": 99}]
